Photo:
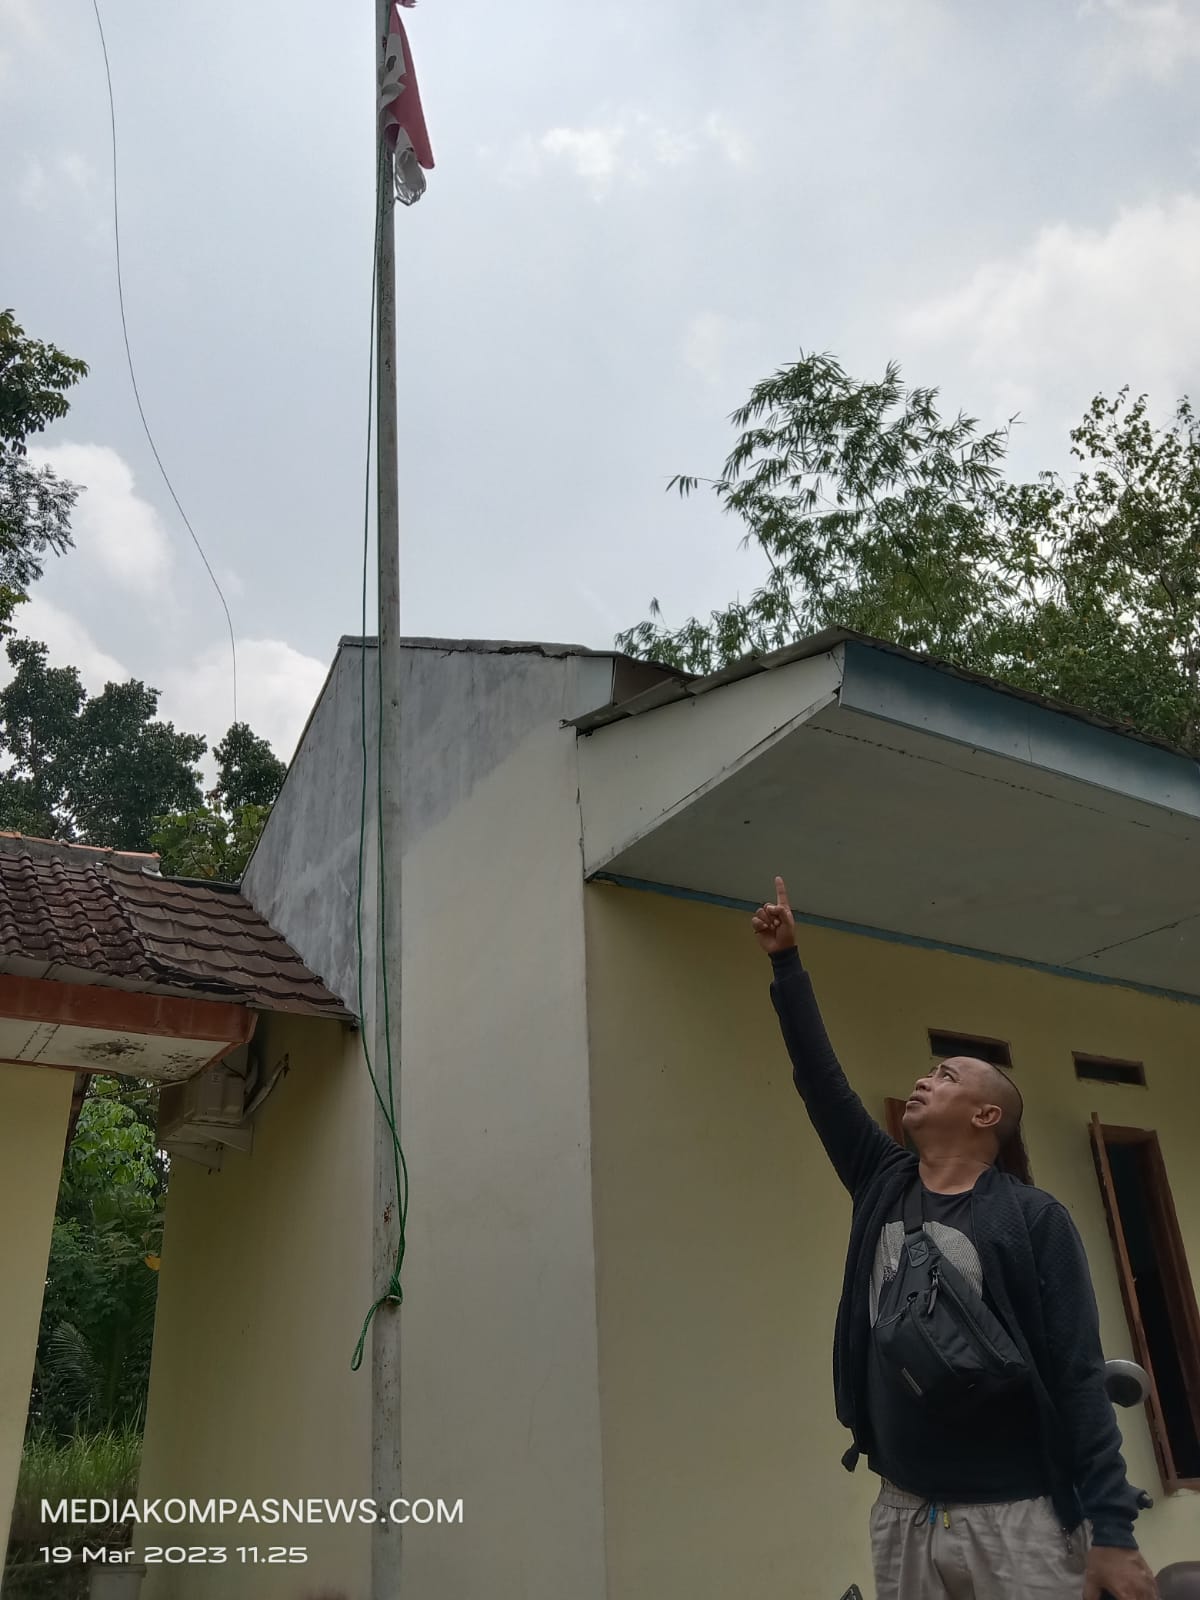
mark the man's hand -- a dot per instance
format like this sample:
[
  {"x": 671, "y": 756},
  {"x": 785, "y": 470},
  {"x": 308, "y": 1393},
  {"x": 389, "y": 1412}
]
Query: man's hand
[
  {"x": 775, "y": 929},
  {"x": 1123, "y": 1574}
]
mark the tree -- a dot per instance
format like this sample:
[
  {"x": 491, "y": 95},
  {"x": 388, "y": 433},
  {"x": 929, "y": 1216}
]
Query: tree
[
  {"x": 97, "y": 768},
  {"x": 874, "y": 513},
  {"x": 35, "y": 504},
  {"x": 216, "y": 840},
  {"x": 93, "y": 1356},
  {"x": 104, "y": 770},
  {"x": 249, "y": 773},
  {"x": 209, "y": 842}
]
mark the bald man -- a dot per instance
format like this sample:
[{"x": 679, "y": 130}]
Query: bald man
[{"x": 1025, "y": 1496}]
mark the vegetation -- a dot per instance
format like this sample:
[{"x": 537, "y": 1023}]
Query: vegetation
[
  {"x": 35, "y": 504},
  {"x": 874, "y": 512},
  {"x": 216, "y": 840}
]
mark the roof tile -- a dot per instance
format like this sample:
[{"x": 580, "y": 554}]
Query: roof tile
[{"x": 115, "y": 917}]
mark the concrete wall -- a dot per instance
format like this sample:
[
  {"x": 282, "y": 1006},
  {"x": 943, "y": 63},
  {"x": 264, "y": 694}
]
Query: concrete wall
[
  {"x": 721, "y": 1231},
  {"x": 265, "y": 1282},
  {"x": 501, "y": 1402},
  {"x": 34, "y": 1106},
  {"x": 303, "y": 876},
  {"x": 266, "y": 1264}
]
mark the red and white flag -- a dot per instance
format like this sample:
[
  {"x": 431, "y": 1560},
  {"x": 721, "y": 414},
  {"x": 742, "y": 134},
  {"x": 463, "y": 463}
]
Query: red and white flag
[{"x": 402, "y": 120}]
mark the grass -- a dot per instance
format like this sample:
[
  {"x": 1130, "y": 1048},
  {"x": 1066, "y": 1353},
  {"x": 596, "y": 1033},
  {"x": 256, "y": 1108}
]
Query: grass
[{"x": 101, "y": 1466}]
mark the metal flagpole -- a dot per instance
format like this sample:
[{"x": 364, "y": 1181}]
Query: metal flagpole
[{"x": 385, "y": 1329}]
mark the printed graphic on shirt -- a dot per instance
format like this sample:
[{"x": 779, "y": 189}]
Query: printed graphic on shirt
[{"x": 955, "y": 1246}]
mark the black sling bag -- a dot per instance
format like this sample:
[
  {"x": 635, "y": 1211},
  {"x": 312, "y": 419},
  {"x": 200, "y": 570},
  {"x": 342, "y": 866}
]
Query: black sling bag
[{"x": 934, "y": 1333}]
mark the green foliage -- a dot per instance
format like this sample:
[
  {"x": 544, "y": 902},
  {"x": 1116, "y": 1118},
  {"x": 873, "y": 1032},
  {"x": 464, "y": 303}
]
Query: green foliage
[
  {"x": 216, "y": 840},
  {"x": 35, "y": 504},
  {"x": 249, "y": 773},
  {"x": 97, "y": 768},
  {"x": 874, "y": 513},
  {"x": 104, "y": 770},
  {"x": 209, "y": 842},
  {"x": 100, "y": 1466},
  {"x": 93, "y": 1356}
]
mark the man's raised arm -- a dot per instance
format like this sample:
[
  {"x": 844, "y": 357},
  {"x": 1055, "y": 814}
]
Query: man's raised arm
[{"x": 853, "y": 1140}]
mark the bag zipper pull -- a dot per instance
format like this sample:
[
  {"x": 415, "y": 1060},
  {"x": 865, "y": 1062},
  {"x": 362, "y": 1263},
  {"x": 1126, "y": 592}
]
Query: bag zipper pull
[{"x": 933, "y": 1293}]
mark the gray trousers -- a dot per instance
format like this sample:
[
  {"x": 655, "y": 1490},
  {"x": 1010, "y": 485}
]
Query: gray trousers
[{"x": 1013, "y": 1551}]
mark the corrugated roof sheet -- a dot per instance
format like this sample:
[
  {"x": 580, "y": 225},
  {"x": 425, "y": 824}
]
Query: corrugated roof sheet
[{"x": 110, "y": 914}]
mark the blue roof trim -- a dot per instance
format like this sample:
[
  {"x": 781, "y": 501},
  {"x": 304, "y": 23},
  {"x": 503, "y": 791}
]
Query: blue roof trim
[
  {"x": 888, "y": 936},
  {"x": 914, "y": 694}
]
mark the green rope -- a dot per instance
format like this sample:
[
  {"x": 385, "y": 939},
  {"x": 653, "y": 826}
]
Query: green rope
[{"x": 393, "y": 1294}]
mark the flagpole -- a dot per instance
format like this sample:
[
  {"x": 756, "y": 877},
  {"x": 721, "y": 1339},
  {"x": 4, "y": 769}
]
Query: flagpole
[{"x": 385, "y": 1329}]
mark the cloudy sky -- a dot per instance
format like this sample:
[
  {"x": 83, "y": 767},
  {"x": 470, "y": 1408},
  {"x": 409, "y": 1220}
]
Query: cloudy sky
[{"x": 638, "y": 210}]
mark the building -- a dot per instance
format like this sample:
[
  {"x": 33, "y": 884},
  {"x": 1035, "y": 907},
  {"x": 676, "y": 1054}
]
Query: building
[{"x": 624, "y": 1245}]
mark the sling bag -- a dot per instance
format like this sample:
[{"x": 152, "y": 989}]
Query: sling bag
[{"x": 934, "y": 1333}]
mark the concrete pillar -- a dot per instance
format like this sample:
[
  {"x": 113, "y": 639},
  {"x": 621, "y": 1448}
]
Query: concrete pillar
[{"x": 35, "y": 1103}]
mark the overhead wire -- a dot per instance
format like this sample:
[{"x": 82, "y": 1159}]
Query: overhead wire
[
  {"x": 392, "y": 1293},
  {"x": 112, "y": 118}
]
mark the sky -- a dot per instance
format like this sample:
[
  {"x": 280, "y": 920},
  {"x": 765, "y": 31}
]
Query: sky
[{"x": 637, "y": 211}]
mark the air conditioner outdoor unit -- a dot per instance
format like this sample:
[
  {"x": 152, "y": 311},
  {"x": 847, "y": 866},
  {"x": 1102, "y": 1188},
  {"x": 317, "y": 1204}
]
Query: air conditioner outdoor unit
[{"x": 206, "y": 1109}]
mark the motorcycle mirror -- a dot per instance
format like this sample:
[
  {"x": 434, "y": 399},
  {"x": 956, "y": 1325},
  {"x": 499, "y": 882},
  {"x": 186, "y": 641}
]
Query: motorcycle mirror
[{"x": 1126, "y": 1383}]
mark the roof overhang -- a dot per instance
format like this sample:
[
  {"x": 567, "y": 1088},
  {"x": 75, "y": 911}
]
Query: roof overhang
[
  {"x": 90, "y": 1028},
  {"x": 904, "y": 800}
]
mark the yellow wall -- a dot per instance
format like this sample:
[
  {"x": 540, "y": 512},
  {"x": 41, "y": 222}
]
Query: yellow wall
[
  {"x": 34, "y": 1105},
  {"x": 721, "y": 1232},
  {"x": 265, "y": 1282},
  {"x": 500, "y": 1388}
]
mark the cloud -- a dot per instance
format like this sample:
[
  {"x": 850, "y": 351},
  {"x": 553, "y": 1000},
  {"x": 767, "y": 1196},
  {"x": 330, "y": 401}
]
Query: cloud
[
  {"x": 20, "y": 24},
  {"x": 1151, "y": 38},
  {"x": 39, "y": 183},
  {"x": 730, "y": 141},
  {"x": 68, "y": 641},
  {"x": 277, "y": 688},
  {"x": 706, "y": 342},
  {"x": 277, "y": 685},
  {"x": 593, "y": 153},
  {"x": 114, "y": 527},
  {"x": 629, "y": 147},
  {"x": 1078, "y": 310}
]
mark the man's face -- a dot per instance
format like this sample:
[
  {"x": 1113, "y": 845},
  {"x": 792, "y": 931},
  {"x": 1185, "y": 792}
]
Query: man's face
[{"x": 949, "y": 1098}]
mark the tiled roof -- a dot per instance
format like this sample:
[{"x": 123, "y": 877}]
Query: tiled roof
[{"x": 112, "y": 915}]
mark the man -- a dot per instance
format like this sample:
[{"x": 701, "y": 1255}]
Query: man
[{"x": 994, "y": 1504}]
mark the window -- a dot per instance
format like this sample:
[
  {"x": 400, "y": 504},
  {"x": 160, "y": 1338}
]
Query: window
[
  {"x": 1106, "y": 1069},
  {"x": 944, "y": 1045},
  {"x": 1156, "y": 1286}
]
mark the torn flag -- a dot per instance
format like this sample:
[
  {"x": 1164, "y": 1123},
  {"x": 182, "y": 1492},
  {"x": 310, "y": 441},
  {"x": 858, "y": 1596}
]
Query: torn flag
[{"x": 402, "y": 121}]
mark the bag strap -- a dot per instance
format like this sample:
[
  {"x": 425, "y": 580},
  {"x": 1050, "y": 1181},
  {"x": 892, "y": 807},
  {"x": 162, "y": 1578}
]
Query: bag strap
[
  {"x": 916, "y": 1241},
  {"x": 914, "y": 1208}
]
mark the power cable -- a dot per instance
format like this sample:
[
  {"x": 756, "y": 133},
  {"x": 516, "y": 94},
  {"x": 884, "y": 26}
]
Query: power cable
[{"x": 112, "y": 118}]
